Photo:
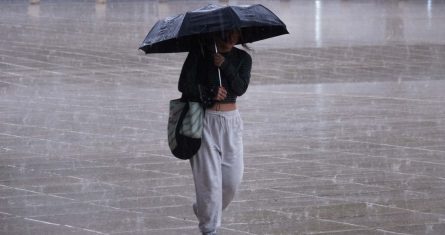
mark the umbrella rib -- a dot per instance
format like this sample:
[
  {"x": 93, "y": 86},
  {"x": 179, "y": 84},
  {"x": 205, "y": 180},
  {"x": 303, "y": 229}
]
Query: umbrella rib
[{"x": 236, "y": 17}]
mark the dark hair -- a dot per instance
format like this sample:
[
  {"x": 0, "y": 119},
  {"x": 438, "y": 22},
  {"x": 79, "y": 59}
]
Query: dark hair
[{"x": 224, "y": 34}]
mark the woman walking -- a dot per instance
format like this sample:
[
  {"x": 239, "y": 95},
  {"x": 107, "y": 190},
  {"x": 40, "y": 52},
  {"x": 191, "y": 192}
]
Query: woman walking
[{"x": 218, "y": 166}]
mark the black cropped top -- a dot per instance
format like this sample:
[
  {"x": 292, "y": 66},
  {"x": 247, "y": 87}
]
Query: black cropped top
[{"x": 199, "y": 78}]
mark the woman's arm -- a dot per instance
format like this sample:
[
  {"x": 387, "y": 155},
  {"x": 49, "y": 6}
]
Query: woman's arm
[{"x": 238, "y": 80}]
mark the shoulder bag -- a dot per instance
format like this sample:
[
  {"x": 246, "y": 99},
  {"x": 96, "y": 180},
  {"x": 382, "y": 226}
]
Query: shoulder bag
[{"x": 185, "y": 128}]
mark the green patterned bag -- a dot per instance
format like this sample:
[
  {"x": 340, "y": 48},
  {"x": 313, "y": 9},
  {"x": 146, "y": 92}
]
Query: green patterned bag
[{"x": 185, "y": 128}]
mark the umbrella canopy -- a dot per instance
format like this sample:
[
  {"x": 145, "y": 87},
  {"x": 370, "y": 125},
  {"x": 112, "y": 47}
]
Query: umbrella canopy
[{"x": 178, "y": 33}]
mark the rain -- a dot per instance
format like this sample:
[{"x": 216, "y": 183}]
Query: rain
[{"x": 344, "y": 121}]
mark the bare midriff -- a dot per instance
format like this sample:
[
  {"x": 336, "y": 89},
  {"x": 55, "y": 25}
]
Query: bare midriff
[{"x": 223, "y": 107}]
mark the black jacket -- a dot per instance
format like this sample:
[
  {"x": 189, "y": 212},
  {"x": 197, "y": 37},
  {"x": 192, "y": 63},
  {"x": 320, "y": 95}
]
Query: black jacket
[{"x": 199, "y": 78}]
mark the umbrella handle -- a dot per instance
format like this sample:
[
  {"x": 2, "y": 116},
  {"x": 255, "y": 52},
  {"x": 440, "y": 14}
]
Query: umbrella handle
[{"x": 219, "y": 72}]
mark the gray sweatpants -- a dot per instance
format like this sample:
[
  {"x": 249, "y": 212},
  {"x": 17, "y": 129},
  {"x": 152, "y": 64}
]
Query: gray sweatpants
[{"x": 218, "y": 166}]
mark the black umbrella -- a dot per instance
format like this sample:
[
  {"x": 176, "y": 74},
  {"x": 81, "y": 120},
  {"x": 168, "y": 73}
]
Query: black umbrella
[{"x": 177, "y": 33}]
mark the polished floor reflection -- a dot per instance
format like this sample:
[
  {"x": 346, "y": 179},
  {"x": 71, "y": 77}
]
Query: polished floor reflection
[{"x": 344, "y": 121}]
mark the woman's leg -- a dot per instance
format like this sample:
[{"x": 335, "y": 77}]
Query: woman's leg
[
  {"x": 206, "y": 168},
  {"x": 218, "y": 167},
  {"x": 232, "y": 168}
]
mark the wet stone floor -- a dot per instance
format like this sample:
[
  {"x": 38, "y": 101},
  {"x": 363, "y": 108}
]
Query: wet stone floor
[{"x": 344, "y": 121}]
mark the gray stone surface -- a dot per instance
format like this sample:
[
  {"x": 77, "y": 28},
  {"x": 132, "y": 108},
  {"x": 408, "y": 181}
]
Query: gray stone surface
[{"x": 344, "y": 121}]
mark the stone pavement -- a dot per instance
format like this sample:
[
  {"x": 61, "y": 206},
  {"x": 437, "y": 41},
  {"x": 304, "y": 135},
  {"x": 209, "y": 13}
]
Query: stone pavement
[{"x": 344, "y": 122}]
